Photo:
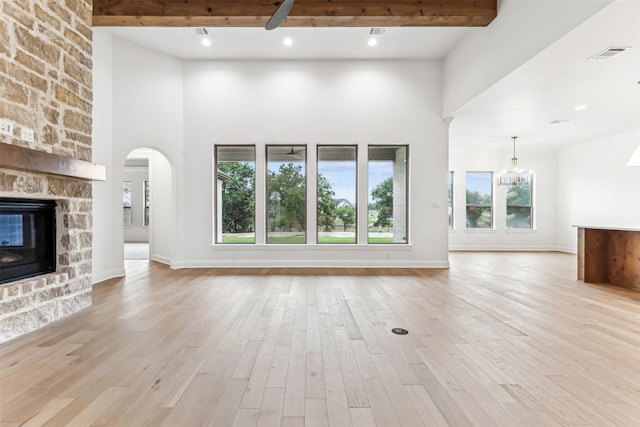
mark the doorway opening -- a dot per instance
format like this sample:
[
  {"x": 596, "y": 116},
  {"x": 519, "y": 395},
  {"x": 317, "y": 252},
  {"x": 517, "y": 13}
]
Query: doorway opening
[
  {"x": 136, "y": 204},
  {"x": 147, "y": 200}
]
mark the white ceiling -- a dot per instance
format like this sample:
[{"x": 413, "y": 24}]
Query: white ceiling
[
  {"x": 551, "y": 84},
  {"x": 308, "y": 43},
  {"x": 544, "y": 89}
]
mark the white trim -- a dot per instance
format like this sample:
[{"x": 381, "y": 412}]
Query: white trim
[
  {"x": 306, "y": 247},
  {"x": 309, "y": 264},
  {"x": 505, "y": 248},
  {"x": 520, "y": 230},
  {"x": 567, "y": 250},
  {"x": 160, "y": 258},
  {"x": 106, "y": 275}
]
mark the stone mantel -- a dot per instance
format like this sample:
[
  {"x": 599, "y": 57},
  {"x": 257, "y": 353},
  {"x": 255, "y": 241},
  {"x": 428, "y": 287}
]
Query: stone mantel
[{"x": 26, "y": 159}]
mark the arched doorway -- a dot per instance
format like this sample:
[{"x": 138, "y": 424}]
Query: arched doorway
[{"x": 147, "y": 189}]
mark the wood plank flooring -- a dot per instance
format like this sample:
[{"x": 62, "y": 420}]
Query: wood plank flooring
[{"x": 500, "y": 339}]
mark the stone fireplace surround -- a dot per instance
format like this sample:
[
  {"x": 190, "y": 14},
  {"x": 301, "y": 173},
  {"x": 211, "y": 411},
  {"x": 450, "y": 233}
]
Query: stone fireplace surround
[
  {"x": 46, "y": 72},
  {"x": 28, "y": 304}
]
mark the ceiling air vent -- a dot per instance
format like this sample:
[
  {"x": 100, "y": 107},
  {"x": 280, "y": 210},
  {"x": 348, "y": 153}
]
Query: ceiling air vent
[
  {"x": 609, "y": 52},
  {"x": 200, "y": 31},
  {"x": 376, "y": 31}
]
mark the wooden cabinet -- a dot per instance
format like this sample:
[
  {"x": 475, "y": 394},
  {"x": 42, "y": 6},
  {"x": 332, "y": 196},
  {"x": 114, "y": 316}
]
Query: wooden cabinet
[{"x": 608, "y": 255}]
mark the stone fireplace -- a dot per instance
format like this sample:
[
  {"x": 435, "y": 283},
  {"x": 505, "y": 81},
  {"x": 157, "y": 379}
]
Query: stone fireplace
[
  {"x": 28, "y": 304},
  {"x": 45, "y": 108},
  {"x": 27, "y": 238}
]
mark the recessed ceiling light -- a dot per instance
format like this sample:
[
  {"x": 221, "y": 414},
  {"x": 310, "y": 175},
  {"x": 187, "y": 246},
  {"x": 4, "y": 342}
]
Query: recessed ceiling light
[
  {"x": 287, "y": 41},
  {"x": 580, "y": 107},
  {"x": 372, "y": 41},
  {"x": 205, "y": 42}
]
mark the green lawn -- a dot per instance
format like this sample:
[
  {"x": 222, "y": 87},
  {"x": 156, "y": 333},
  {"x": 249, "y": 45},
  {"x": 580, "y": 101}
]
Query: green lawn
[
  {"x": 286, "y": 239},
  {"x": 300, "y": 239},
  {"x": 329, "y": 239},
  {"x": 238, "y": 239},
  {"x": 380, "y": 240}
]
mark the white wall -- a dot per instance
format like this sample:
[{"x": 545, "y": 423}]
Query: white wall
[
  {"x": 137, "y": 104},
  {"x": 162, "y": 209},
  {"x": 315, "y": 102},
  {"x": 596, "y": 188},
  {"x": 522, "y": 29},
  {"x": 137, "y": 232},
  {"x": 302, "y": 102},
  {"x": 107, "y": 256},
  {"x": 543, "y": 163}
]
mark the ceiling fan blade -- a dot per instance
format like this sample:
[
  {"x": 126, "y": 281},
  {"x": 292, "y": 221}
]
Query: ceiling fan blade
[{"x": 279, "y": 15}]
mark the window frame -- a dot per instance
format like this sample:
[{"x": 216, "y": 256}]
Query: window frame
[
  {"x": 124, "y": 205},
  {"x": 217, "y": 232},
  {"x": 490, "y": 205},
  {"x": 355, "y": 224},
  {"x": 406, "y": 191},
  {"x": 306, "y": 194},
  {"x": 530, "y": 206},
  {"x": 146, "y": 206}
]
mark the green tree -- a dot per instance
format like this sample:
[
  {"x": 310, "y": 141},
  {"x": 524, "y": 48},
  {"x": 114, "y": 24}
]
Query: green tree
[
  {"x": 519, "y": 195},
  {"x": 519, "y": 206},
  {"x": 478, "y": 216},
  {"x": 475, "y": 198},
  {"x": 326, "y": 204},
  {"x": 286, "y": 189},
  {"x": 382, "y": 196},
  {"x": 347, "y": 215},
  {"x": 238, "y": 197}
]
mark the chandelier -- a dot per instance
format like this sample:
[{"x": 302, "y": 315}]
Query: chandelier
[{"x": 515, "y": 176}]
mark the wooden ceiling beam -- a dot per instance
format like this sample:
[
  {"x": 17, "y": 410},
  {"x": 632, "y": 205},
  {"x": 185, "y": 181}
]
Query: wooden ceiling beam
[{"x": 304, "y": 13}]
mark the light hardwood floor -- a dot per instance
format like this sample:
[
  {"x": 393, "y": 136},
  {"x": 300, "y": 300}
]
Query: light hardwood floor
[{"x": 500, "y": 339}]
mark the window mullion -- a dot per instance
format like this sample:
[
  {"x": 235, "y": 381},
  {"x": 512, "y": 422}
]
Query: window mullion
[{"x": 312, "y": 195}]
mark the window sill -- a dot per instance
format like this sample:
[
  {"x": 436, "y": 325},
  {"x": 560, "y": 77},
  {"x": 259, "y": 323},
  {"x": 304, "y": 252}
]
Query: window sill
[
  {"x": 320, "y": 246},
  {"x": 521, "y": 231},
  {"x": 479, "y": 230}
]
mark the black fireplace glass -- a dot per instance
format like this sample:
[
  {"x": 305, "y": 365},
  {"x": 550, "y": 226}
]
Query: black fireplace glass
[{"x": 27, "y": 238}]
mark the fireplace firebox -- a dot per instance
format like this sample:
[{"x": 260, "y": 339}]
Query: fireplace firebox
[{"x": 27, "y": 238}]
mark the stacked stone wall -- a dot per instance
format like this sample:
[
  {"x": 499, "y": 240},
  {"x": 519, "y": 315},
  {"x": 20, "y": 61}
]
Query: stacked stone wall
[{"x": 46, "y": 85}]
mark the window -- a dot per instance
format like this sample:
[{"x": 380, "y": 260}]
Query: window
[
  {"x": 479, "y": 199},
  {"x": 235, "y": 194},
  {"x": 145, "y": 191},
  {"x": 519, "y": 207},
  {"x": 337, "y": 176},
  {"x": 387, "y": 181},
  {"x": 450, "y": 198},
  {"x": 126, "y": 201},
  {"x": 286, "y": 194}
]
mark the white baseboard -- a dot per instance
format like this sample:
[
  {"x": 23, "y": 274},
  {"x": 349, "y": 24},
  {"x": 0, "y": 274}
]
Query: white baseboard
[
  {"x": 309, "y": 264},
  {"x": 567, "y": 250},
  {"x": 106, "y": 275},
  {"x": 161, "y": 258},
  {"x": 505, "y": 248}
]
